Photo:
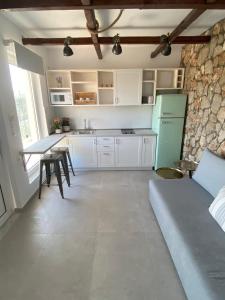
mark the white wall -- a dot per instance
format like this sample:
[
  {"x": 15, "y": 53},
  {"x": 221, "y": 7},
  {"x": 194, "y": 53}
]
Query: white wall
[
  {"x": 107, "y": 117},
  {"x": 11, "y": 143},
  {"x": 132, "y": 57}
]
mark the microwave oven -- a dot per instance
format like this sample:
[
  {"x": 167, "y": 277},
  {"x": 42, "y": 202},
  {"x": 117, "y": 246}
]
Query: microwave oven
[{"x": 61, "y": 98}]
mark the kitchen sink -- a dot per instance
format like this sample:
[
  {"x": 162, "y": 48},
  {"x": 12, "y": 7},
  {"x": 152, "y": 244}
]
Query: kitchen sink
[{"x": 84, "y": 131}]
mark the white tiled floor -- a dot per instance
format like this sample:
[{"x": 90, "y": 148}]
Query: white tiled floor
[{"x": 99, "y": 243}]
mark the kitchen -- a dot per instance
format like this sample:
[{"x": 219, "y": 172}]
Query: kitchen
[{"x": 126, "y": 96}]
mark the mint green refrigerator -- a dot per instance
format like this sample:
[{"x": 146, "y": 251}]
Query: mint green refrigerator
[{"x": 168, "y": 123}]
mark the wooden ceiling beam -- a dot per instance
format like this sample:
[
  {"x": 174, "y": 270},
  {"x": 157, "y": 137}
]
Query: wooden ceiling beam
[
  {"x": 188, "y": 20},
  {"x": 110, "y": 4},
  {"x": 141, "y": 40},
  {"x": 92, "y": 25}
]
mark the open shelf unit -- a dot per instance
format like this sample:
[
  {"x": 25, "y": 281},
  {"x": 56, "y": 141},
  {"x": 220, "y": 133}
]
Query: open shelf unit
[
  {"x": 97, "y": 87},
  {"x": 84, "y": 87},
  {"x": 58, "y": 80},
  {"x": 170, "y": 78},
  {"x": 149, "y": 86},
  {"x": 105, "y": 87}
]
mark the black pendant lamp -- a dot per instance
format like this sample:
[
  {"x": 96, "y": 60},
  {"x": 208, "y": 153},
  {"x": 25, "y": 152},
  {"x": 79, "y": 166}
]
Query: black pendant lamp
[
  {"x": 67, "y": 51},
  {"x": 164, "y": 39},
  {"x": 116, "y": 49}
]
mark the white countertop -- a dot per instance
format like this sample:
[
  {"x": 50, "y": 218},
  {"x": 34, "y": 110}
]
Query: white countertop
[{"x": 112, "y": 132}]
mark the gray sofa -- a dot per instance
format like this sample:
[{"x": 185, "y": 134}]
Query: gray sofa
[{"x": 194, "y": 239}]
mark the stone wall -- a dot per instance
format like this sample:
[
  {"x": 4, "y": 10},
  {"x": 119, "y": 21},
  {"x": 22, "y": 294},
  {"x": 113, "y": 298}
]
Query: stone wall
[{"x": 205, "y": 84}]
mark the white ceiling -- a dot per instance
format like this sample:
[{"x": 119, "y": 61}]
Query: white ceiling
[{"x": 132, "y": 22}]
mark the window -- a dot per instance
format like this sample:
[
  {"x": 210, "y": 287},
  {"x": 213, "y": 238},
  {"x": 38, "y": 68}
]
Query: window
[{"x": 26, "y": 110}]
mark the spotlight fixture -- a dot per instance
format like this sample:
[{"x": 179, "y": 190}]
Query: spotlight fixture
[
  {"x": 116, "y": 49},
  {"x": 164, "y": 39},
  {"x": 167, "y": 50},
  {"x": 67, "y": 51}
]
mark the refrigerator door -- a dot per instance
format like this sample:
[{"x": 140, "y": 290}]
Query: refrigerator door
[
  {"x": 172, "y": 106},
  {"x": 169, "y": 142}
]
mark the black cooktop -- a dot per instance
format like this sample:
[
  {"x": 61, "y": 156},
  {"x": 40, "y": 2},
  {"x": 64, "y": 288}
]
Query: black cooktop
[{"x": 128, "y": 131}]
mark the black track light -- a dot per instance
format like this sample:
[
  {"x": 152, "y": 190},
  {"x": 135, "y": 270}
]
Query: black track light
[
  {"x": 116, "y": 49},
  {"x": 67, "y": 51},
  {"x": 164, "y": 39}
]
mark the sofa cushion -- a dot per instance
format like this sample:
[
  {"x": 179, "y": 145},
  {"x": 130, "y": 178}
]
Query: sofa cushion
[
  {"x": 217, "y": 208},
  {"x": 210, "y": 172},
  {"x": 195, "y": 241}
]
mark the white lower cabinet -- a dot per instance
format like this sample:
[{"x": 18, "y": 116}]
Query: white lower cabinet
[
  {"x": 106, "y": 159},
  {"x": 84, "y": 152},
  {"x": 148, "y": 151},
  {"x": 111, "y": 152},
  {"x": 128, "y": 151},
  {"x": 106, "y": 153}
]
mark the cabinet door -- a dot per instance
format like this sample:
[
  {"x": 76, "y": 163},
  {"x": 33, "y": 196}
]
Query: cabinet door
[
  {"x": 148, "y": 151},
  {"x": 128, "y": 87},
  {"x": 106, "y": 159},
  {"x": 84, "y": 152},
  {"x": 128, "y": 151}
]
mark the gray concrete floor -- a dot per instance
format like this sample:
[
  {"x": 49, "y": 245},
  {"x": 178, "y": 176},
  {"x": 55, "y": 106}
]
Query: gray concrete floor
[{"x": 99, "y": 243}]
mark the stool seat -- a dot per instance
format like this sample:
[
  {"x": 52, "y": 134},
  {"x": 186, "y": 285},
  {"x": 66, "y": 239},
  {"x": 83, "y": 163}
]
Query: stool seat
[
  {"x": 60, "y": 149},
  {"x": 51, "y": 157}
]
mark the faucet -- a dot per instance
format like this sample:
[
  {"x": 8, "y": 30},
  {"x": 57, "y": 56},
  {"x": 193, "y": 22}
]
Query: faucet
[{"x": 85, "y": 123}]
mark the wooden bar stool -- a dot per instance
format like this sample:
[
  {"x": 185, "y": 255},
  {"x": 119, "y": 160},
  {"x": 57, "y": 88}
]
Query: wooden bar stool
[
  {"x": 55, "y": 160},
  {"x": 66, "y": 154}
]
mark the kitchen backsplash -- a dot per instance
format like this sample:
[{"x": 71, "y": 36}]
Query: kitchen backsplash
[{"x": 107, "y": 117}]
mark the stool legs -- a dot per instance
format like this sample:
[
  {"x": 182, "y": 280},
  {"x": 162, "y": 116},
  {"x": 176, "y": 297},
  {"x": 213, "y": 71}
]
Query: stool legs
[
  {"x": 40, "y": 179},
  {"x": 48, "y": 173},
  {"x": 71, "y": 165},
  {"x": 58, "y": 176},
  {"x": 65, "y": 169}
]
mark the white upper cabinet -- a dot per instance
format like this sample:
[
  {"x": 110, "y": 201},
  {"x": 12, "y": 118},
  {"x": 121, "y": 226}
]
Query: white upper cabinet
[
  {"x": 128, "y": 87},
  {"x": 113, "y": 87}
]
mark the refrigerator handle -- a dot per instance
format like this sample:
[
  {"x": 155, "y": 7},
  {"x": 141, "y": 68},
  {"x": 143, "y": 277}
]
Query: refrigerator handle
[{"x": 167, "y": 122}]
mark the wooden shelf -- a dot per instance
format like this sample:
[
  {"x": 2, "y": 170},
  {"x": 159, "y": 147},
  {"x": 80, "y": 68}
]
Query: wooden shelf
[
  {"x": 83, "y": 82},
  {"x": 148, "y": 104},
  {"x": 106, "y": 88},
  {"x": 63, "y": 105},
  {"x": 169, "y": 88},
  {"x": 60, "y": 89}
]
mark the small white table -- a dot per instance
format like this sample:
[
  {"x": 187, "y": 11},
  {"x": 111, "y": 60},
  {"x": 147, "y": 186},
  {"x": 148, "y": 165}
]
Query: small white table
[{"x": 42, "y": 146}]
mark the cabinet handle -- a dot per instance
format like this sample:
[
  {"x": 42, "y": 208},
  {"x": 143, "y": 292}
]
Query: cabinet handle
[
  {"x": 167, "y": 122},
  {"x": 167, "y": 113},
  {"x": 106, "y": 146},
  {"x": 116, "y": 100},
  {"x": 106, "y": 153},
  {"x": 144, "y": 141},
  {"x": 105, "y": 139}
]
